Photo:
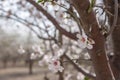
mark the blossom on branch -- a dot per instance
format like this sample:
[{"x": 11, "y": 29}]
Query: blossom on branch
[
  {"x": 54, "y": 65},
  {"x": 85, "y": 42}
]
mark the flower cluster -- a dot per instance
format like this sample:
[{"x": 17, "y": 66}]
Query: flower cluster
[
  {"x": 54, "y": 65},
  {"x": 85, "y": 42},
  {"x": 37, "y": 52}
]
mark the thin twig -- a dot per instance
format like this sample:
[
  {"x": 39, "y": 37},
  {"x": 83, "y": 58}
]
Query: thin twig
[
  {"x": 115, "y": 18},
  {"x": 80, "y": 69}
]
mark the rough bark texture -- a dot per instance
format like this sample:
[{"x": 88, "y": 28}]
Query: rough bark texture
[
  {"x": 116, "y": 40},
  {"x": 115, "y": 63},
  {"x": 116, "y": 58},
  {"x": 97, "y": 54},
  {"x": 116, "y": 44}
]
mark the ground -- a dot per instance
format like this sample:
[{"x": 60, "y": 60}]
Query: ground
[{"x": 21, "y": 73}]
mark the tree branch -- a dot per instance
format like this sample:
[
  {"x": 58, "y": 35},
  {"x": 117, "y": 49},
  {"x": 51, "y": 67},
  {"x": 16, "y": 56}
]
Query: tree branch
[
  {"x": 115, "y": 17},
  {"x": 26, "y": 24},
  {"x": 79, "y": 69},
  {"x": 52, "y": 19}
]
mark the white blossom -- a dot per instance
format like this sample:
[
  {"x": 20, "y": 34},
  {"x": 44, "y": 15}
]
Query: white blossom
[
  {"x": 59, "y": 16},
  {"x": 37, "y": 49},
  {"x": 59, "y": 53},
  {"x": 55, "y": 46},
  {"x": 45, "y": 60},
  {"x": 85, "y": 42},
  {"x": 54, "y": 65},
  {"x": 33, "y": 56}
]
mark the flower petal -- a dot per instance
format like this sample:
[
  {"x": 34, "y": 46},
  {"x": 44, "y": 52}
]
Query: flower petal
[{"x": 89, "y": 46}]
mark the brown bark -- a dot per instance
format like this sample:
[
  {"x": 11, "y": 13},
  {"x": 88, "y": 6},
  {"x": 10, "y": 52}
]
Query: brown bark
[
  {"x": 30, "y": 66},
  {"x": 116, "y": 48},
  {"x": 115, "y": 37},
  {"x": 116, "y": 43},
  {"x": 30, "y": 63},
  {"x": 97, "y": 54}
]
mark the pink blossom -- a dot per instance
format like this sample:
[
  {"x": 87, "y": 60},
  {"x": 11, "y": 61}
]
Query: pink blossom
[
  {"x": 85, "y": 42},
  {"x": 54, "y": 65}
]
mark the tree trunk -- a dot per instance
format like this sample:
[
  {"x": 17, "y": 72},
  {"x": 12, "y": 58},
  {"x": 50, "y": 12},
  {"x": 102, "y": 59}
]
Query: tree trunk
[
  {"x": 98, "y": 54},
  {"x": 115, "y": 62},
  {"x": 30, "y": 66},
  {"x": 30, "y": 63},
  {"x": 61, "y": 74},
  {"x": 4, "y": 63},
  {"x": 116, "y": 44}
]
